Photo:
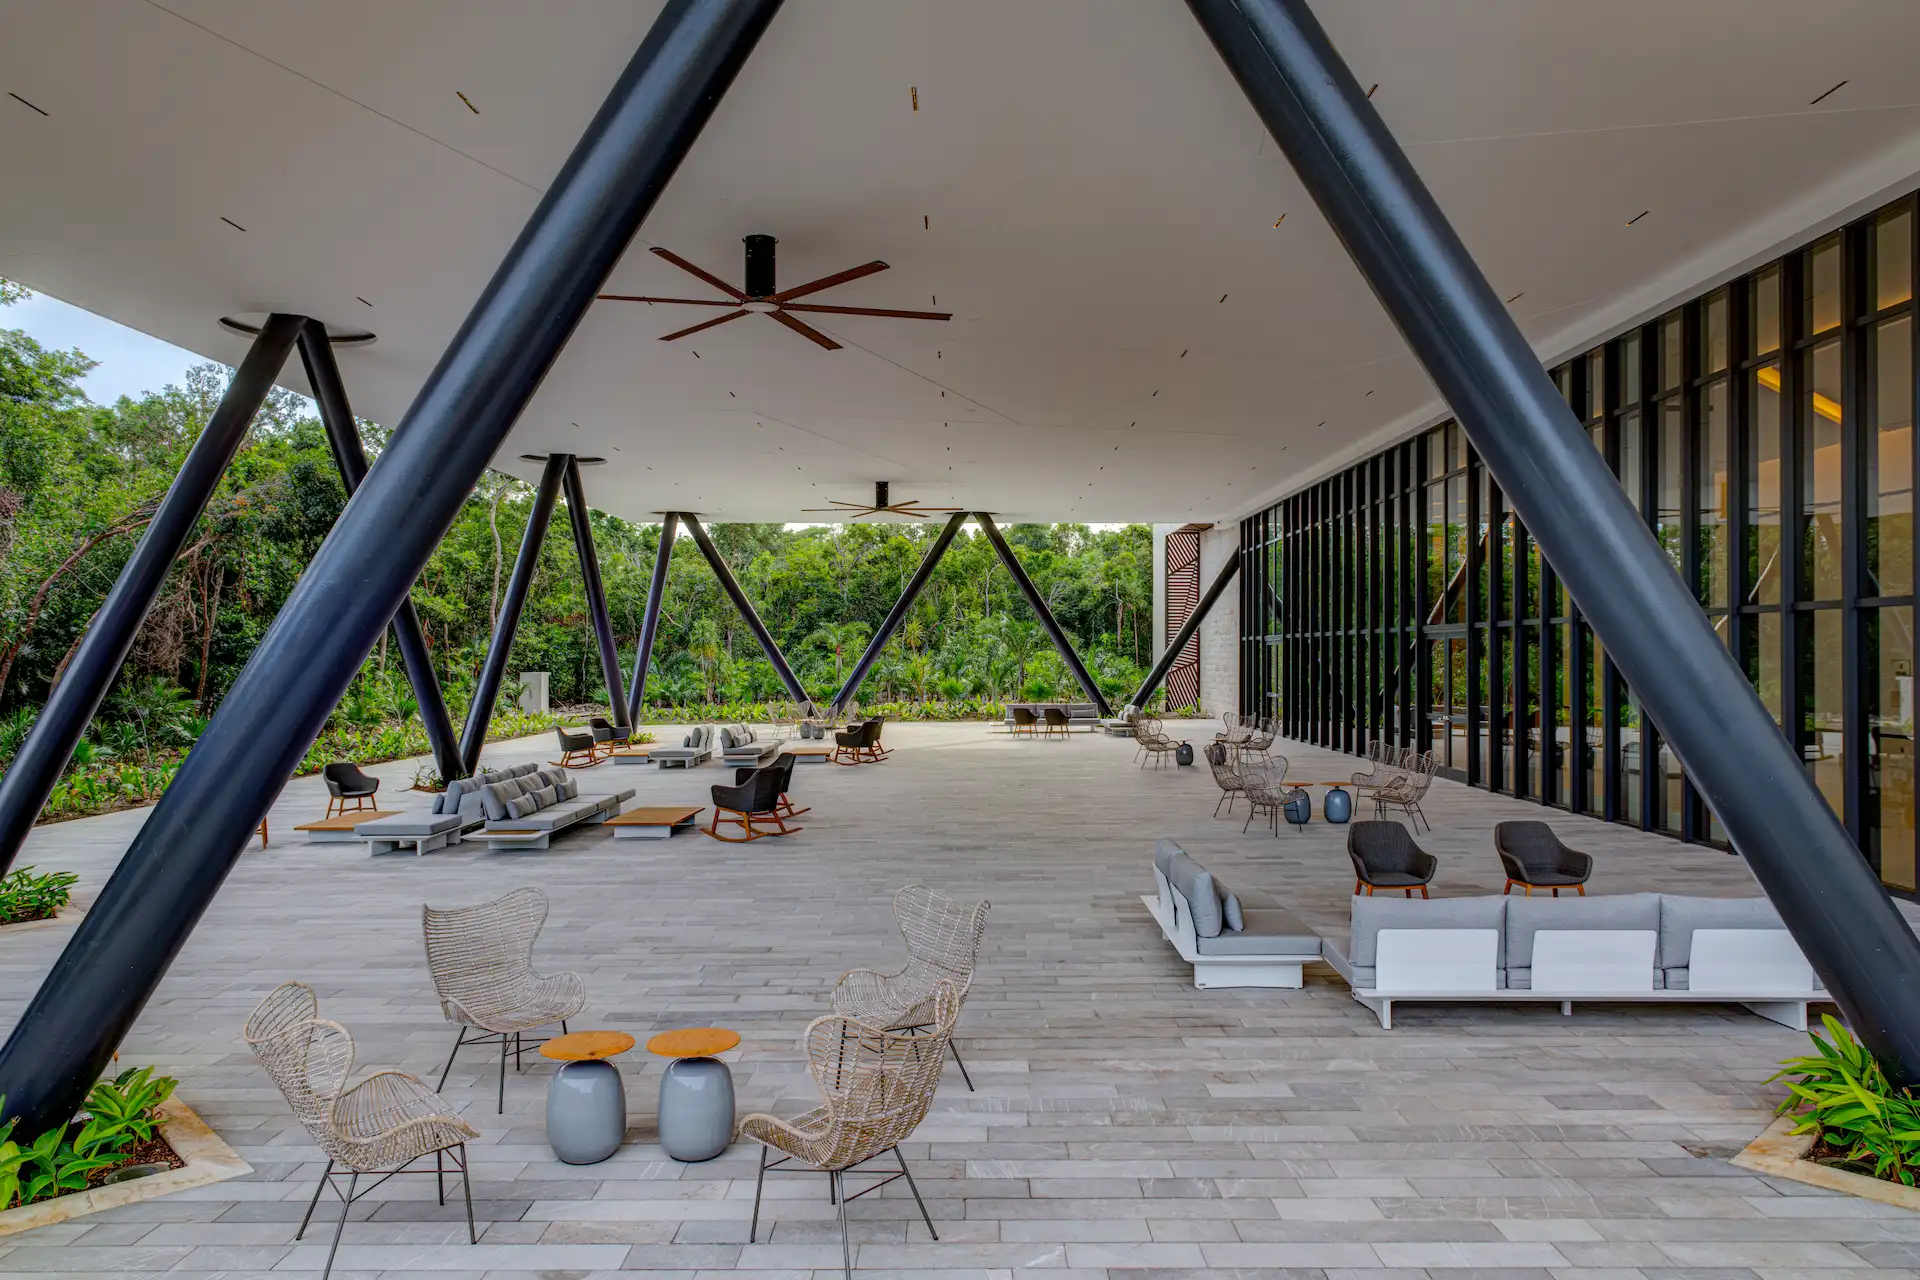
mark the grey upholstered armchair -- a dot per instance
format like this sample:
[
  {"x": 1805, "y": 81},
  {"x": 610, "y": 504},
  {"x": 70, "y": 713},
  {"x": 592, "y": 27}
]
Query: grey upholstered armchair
[
  {"x": 1384, "y": 856},
  {"x": 1534, "y": 858}
]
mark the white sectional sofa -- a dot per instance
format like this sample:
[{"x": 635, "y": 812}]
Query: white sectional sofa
[
  {"x": 1653, "y": 947},
  {"x": 742, "y": 744},
  {"x": 455, "y": 811},
  {"x": 1232, "y": 938},
  {"x": 528, "y": 811},
  {"x": 695, "y": 749}
]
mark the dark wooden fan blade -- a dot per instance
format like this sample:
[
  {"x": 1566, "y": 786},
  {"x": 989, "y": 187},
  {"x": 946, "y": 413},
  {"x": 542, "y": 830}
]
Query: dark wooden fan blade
[
  {"x": 801, "y": 328},
  {"x": 917, "y": 509},
  {"x": 682, "y": 302},
  {"x": 669, "y": 337},
  {"x": 827, "y": 282},
  {"x": 871, "y": 311},
  {"x": 906, "y": 510},
  {"x": 709, "y": 277},
  {"x": 835, "y": 511}
]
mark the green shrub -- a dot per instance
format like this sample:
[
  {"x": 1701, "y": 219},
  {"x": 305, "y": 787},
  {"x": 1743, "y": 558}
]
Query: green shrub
[
  {"x": 1844, "y": 1098},
  {"x": 25, "y": 896},
  {"x": 118, "y": 1114}
]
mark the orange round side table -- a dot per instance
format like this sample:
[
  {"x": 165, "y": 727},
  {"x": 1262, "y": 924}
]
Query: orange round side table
[
  {"x": 586, "y": 1103},
  {"x": 696, "y": 1092}
]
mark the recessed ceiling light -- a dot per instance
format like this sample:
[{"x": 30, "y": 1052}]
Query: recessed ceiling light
[
  {"x": 1223, "y": 298},
  {"x": 469, "y": 101},
  {"x": 1636, "y": 217},
  {"x": 1516, "y": 297},
  {"x": 1370, "y": 92},
  {"x": 230, "y": 222},
  {"x": 915, "y": 91},
  {"x": 23, "y": 102},
  {"x": 1828, "y": 94},
  {"x": 362, "y": 301},
  {"x": 1276, "y": 222}
]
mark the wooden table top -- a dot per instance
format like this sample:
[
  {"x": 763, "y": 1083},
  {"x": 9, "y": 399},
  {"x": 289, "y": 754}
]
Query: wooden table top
[
  {"x": 348, "y": 821},
  {"x": 657, "y": 815},
  {"x": 641, "y": 750},
  {"x": 693, "y": 1042},
  {"x": 812, "y": 749},
  {"x": 585, "y": 1046}
]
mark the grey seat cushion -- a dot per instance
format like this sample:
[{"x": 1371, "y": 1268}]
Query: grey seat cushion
[
  {"x": 1680, "y": 916},
  {"x": 1163, "y": 852},
  {"x": 1270, "y": 931},
  {"x": 404, "y": 826},
  {"x": 1528, "y": 916},
  {"x": 1194, "y": 883},
  {"x": 1372, "y": 914}
]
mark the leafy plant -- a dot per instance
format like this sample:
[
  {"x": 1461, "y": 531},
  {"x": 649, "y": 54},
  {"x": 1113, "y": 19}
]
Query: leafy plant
[
  {"x": 1844, "y": 1097},
  {"x": 119, "y": 1114},
  {"x": 128, "y": 1103},
  {"x": 12, "y": 1158},
  {"x": 55, "y": 1165},
  {"x": 26, "y": 896}
]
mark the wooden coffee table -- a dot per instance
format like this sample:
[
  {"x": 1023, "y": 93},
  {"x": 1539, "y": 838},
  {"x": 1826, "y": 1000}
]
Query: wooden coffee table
[
  {"x": 631, "y": 755},
  {"x": 813, "y": 753},
  {"x": 654, "y": 822},
  {"x": 340, "y": 830}
]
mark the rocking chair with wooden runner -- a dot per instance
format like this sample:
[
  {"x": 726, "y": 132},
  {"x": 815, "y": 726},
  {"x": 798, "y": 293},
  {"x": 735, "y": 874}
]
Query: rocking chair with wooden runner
[
  {"x": 577, "y": 750},
  {"x": 782, "y": 764},
  {"x": 860, "y": 744},
  {"x": 753, "y": 806}
]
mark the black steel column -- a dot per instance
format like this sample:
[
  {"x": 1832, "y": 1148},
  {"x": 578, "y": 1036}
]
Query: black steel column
[
  {"x": 596, "y": 590},
  {"x": 29, "y": 780},
  {"x": 493, "y": 669},
  {"x": 1199, "y": 615},
  {"x": 740, "y": 602},
  {"x": 1477, "y": 357},
  {"x": 897, "y": 614},
  {"x": 650, "y": 623},
  {"x": 336, "y": 414},
  {"x": 353, "y": 587},
  {"x": 1032, "y": 593}
]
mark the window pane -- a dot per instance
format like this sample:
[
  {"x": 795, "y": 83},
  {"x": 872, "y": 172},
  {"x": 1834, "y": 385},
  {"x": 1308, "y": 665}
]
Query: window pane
[
  {"x": 1670, "y": 368},
  {"x": 1566, "y": 716},
  {"x": 1630, "y": 368},
  {"x": 1821, "y": 308},
  {"x": 1457, "y": 549},
  {"x": 1822, "y": 743},
  {"x": 1596, "y": 383},
  {"x": 1595, "y": 732},
  {"x": 1673, "y": 798},
  {"x": 1715, "y": 551},
  {"x": 1669, "y": 514},
  {"x": 1820, "y": 474},
  {"x": 1766, "y": 665},
  {"x": 1892, "y": 259},
  {"x": 1890, "y": 461},
  {"x": 1457, "y": 703},
  {"x": 1436, "y": 552},
  {"x": 1630, "y": 758},
  {"x": 1889, "y": 825},
  {"x": 1713, "y": 334},
  {"x": 1436, "y": 453},
  {"x": 1456, "y": 447},
  {"x": 1763, "y": 486},
  {"x": 1631, "y": 471},
  {"x": 1764, "y": 311}
]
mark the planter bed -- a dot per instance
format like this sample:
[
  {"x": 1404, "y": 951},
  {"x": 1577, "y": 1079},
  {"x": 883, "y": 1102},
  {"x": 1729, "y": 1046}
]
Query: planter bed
[{"x": 1780, "y": 1153}]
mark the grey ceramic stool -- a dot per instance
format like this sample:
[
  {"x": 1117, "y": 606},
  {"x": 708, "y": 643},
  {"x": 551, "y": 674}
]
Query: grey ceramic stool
[
  {"x": 696, "y": 1092},
  {"x": 586, "y": 1103}
]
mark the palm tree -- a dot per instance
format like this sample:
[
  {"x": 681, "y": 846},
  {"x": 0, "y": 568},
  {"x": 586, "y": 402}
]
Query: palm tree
[
  {"x": 703, "y": 646},
  {"x": 837, "y": 638}
]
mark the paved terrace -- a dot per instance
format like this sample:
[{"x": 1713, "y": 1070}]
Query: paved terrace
[{"x": 1125, "y": 1125}]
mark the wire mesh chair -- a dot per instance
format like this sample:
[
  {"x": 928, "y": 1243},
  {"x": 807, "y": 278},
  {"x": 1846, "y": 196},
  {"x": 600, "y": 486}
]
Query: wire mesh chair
[
  {"x": 1224, "y": 775},
  {"x": 481, "y": 959},
  {"x": 1407, "y": 791},
  {"x": 379, "y": 1126},
  {"x": 1264, "y": 785},
  {"x": 943, "y": 945},
  {"x": 876, "y": 1086},
  {"x": 1258, "y": 740},
  {"x": 1154, "y": 744}
]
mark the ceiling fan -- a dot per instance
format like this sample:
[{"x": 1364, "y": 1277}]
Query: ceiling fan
[
  {"x": 860, "y": 510},
  {"x": 759, "y": 297}
]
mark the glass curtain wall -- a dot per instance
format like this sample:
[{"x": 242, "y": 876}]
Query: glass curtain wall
[{"x": 1765, "y": 433}]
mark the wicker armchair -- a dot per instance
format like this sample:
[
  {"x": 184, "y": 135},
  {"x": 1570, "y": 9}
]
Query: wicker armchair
[
  {"x": 1534, "y": 858},
  {"x": 379, "y": 1126},
  {"x": 1224, "y": 776},
  {"x": 1154, "y": 744},
  {"x": 1384, "y": 856},
  {"x": 1263, "y": 783},
  {"x": 876, "y": 1087},
  {"x": 1383, "y": 762},
  {"x": 481, "y": 959},
  {"x": 345, "y": 782},
  {"x": 1406, "y": 791},
  {"x": 1259, "y": 737},
  {"x": 943, "y": 945}
]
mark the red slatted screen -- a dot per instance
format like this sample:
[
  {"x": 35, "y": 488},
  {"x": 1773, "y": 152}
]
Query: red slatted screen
[{"x": 1183, "y": 597}]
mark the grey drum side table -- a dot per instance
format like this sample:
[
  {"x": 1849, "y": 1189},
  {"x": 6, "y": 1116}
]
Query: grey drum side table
[
  {"x": 696, "y": 1092},
  {"x": 586, "y": 1103}
]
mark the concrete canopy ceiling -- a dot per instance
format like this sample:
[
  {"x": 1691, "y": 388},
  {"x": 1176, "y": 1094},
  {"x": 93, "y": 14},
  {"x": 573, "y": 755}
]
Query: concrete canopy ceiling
[{"x": 1081, "y": 184}]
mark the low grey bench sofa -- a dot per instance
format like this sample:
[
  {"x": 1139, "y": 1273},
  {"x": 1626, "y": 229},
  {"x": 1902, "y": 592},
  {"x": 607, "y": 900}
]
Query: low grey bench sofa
[
  {"x": 696, "y": 748},
  {"x": 455, "y": 811},
  {"x": 742, "y": 744},
  {"x": 1198, "y": 915},
  {"x": 528, "y": 811},
  {"x": 1655, "y": 947}
]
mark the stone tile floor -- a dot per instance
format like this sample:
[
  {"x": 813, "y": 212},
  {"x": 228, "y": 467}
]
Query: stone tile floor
[{"x": 1125, "y": 1124}]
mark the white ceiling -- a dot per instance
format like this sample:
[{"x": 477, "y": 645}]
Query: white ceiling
[{"x": 1080, "y": 186}]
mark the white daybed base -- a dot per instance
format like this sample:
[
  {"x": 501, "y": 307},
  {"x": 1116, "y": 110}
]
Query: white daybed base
[{"x": 1214, "y": 971}]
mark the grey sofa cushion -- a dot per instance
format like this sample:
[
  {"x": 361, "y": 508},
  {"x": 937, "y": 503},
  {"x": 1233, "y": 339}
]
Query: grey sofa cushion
[
  {"x": 1527, "y": 916},
  {"x": 569, "y": 788},
  {"x": 1680, "y": 916},
  {"x": 408, "y": 825},
  {"x": 1372, "y": 914},
  {"x": 534, "y": 801},
  {"x": 1232, "y": 916},
  {"x": 1195, "y": 883},
  {"x": 1163, "y": 853},
  {"x": 1334, "y": 951},
  {"x": 1269, "y": 931}
]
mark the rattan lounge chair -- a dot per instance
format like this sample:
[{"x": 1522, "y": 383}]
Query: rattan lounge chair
[
  {"x": 875, "y": 1088},
  {"x": 1406, "y": 791},
  {"x": 1224, "y": 776},
  {"x": 375, "y": 1129},
  {"x": 943, "y": 946}
]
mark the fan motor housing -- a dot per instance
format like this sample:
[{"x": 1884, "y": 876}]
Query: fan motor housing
[{"x": 759, "y": 283}]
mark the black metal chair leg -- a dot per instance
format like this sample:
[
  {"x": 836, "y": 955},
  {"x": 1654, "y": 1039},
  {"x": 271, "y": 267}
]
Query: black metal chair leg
[
  {"x": 958, "y": 1063},
  {"x": 459, "y": 1042},
  {"x": 353, "y": 1182},
  {"x": 759, "y": 1184},
  {"x": 846, "y": 1242},
  {"x": 502, "y": 1108},
  {"x": 321, "y": 1186},
  {"x": 915, "y": 1188},
  {"x": 440, "y": 1174},
  {"x": 466, "y": 1190},
  {"x": 516, "y": 1051}
]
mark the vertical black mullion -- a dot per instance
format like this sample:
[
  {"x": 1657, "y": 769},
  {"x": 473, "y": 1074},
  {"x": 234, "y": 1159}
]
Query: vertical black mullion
[
  {"x": 1612, "y": 766},
  {"x": 1853, "y": 530},
  {"x": 1652, "y": 785},
  {"x": 1422, "y": 551},
  {"x": 1497, "y": 777},
  {"x": 1692, "y": 362},
  {"x": 1520, "y": 609},
  {"x": 1470, "y": 612},
  {"x": 1740, "y": 464},
  {"x": 1792, "y": 620}
]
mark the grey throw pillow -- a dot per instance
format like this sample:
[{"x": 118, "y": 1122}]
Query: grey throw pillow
[
  {"x": 521, "y": 806},
  {"x": 494, "y": 798},
  {"x": 569, "y": 789},
  {"x": 1230, "y": 910}
]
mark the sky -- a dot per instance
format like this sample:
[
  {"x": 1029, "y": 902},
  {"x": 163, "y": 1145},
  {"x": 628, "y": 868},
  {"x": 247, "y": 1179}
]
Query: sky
[{"x": 130, "y": 362}]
